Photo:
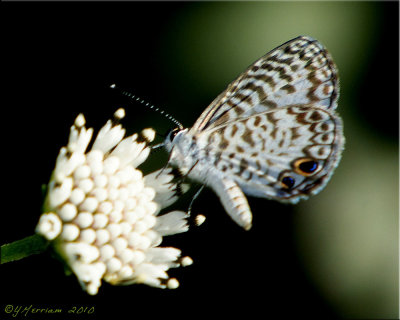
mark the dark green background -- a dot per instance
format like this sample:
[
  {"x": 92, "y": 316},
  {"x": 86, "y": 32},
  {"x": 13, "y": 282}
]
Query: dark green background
[{"x": 335, "y": 255}]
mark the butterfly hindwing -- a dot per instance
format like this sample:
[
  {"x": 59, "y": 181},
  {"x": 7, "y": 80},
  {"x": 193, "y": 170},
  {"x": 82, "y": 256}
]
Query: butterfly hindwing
[{"x": 258, "y": 152}]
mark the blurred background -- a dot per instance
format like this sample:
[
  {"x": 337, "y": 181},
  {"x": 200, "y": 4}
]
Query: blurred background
[{"x": 335, "y": 255}]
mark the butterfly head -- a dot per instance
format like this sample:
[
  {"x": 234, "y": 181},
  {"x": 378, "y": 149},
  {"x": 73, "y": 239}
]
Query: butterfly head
[{"x": 178, "y": 144}]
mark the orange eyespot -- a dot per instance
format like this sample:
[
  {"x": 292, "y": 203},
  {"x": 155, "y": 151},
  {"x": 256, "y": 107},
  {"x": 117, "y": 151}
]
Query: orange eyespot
[{"x": 306, "y": 166}]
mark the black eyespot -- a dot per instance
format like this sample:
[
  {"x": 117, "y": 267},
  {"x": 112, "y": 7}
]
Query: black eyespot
[
  {"x": 305, "y": 166},
  {"x": 308, "y": 166},
  {"x": 288, "y": 182}
]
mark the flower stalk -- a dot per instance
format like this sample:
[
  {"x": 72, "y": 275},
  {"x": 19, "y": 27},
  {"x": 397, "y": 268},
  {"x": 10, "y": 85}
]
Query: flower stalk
[{"x": 23, "y": 248}]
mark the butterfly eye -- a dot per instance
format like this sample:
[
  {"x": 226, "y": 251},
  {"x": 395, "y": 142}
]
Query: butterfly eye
[
  {"x": 306, "y": 166},
  {"x": 288, "y": 182},
  {"x": 172, "y": 134}
]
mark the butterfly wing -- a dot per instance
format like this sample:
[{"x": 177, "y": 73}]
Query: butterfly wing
[
  {"x": 272, "y": 133},
  {"x": 300, "y": 71},
  {"x": 284, "y": 154}
]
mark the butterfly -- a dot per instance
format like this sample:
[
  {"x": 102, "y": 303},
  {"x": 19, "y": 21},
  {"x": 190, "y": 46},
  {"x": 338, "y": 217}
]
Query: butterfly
[{"x": 273, "y": 133}]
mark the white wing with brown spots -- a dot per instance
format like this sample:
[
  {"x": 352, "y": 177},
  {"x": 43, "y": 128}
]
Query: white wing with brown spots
[{"x": 272, "y": 133}]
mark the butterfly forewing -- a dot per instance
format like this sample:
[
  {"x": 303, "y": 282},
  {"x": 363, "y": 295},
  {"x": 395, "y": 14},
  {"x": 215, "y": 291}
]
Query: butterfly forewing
[{"x": 300, "y": 71}]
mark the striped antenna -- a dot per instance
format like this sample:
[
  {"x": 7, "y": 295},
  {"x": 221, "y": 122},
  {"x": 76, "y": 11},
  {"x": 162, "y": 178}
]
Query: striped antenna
[{"x": 147, "y": 104}]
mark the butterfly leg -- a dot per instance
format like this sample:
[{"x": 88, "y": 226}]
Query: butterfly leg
[
  {"x": 234, "y": 201},
  {"x": 194, "y": 198}
]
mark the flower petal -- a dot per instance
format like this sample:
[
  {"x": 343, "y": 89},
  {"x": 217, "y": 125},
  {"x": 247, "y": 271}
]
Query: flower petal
[
  {"x": 162, "y": 181},
  {"x": 172, "y": 223}
]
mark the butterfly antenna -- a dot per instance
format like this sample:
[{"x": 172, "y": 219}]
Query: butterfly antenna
[{"x": 147, "y": 104}]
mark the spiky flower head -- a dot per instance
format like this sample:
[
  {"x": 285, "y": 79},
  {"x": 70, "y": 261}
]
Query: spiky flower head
[{"x": 102, "y": 215}]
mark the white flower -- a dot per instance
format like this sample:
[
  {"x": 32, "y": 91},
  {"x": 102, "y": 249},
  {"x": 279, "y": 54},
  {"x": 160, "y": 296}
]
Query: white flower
[{"x": 102, "y": 214}]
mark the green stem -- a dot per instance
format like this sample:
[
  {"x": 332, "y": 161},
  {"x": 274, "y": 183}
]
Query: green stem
[{"x": 23, "y": 248}]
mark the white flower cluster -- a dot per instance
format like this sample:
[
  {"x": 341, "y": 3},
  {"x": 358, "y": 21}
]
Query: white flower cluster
[{"x": 102, "y": 215}]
